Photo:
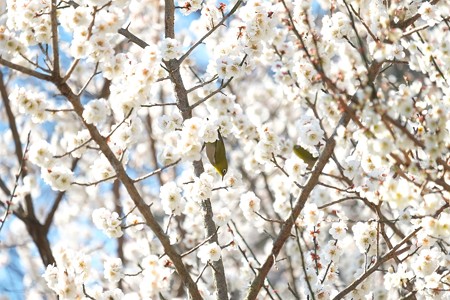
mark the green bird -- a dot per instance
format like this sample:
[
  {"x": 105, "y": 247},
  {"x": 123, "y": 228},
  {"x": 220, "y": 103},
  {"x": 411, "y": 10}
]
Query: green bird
[
  {"x": 305, "y": 156},
  {"x": 217, "y": 155}
]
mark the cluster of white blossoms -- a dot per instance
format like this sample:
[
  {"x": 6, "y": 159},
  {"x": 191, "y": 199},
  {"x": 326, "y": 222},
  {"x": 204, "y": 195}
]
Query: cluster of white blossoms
[
  {"x": 170, "y": 48},
  {"x": 107, "y": 221},
  {"x": 72, "y": 276},
  {"x": 156, "y": 276},
  {"x": 96, "y": 111},
  {"x": 31, "y": 103},
  {"x": 171, "y": 199},
  {"x": 113, "y": 269},
  {"x": 59, "y": 177},
  {"x": 72, "y": 270},
  {"x": 31, "y": 19}
]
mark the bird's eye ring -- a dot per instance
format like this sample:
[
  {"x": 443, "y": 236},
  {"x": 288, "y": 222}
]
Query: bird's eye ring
[{"x": 224, "y": 171}]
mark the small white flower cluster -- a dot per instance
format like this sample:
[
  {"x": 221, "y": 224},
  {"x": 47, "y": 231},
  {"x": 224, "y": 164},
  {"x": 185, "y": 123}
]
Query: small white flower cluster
[
  {"x": 79, "y": 142},
  {"x": 189, "y": 6},
  {"x": 32, "y": 19},
  {"x": 171, "y": 199},
  {"x": 10, "y": 45},
  {"x": 169, "y": 123},
  {"x": 41, "y": 154},
  {"x": 312, "y": 216},
  {"x": 126, "y": 134},
  {"x": 209, "y": 252},
  {"x": 170, "y": 48},
  {"x": 96, "y": 111},
  {"x": 365, "y": 236},
  {"x": 394, "y": 280},
  {"x": 437, "y": 228},
  {"x": 72, "y": 271},
  {"x": 309, "y": 130},
  {"x": 132, "y": 79},
  {"x": 250, "y": 204},
  {"x": 102, "y": 169},
  {"x": 113, "y": 270},
  {"x": 229, "y": 66},
  {"x": 134, "y": 223},
  {"x": 202, "y": 187},
  {"x": 93, "y": 42},
  {"x": 210, "y": 15},
  {"x": 57, "y": 177},
  {"x": 261, "y": 20},
  {"x": 107, "y": 221},
  {"x": 267, "y": 145},
  {"x": 295, "y": 167},
  {"x": 336, "y": 27},
  {"x": 157, "y": 273},
  {"x": 31, "y": 103}
]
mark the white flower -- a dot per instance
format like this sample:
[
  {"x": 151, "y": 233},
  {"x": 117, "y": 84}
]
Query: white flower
[
  {"x": 170, "y": 49},
  {"x": 108, "y": 222},
  {"x": 427, "y": 262},
  {"x": 51, "y": 276},
  {"x": 171, "y": 199},
  {"x": 222, "y": 217},
  {"x": 96, "y": 111},
  {"x": 32, "y": 103},
  {"x": 168, "y": 155},
  {"x": 202, "y": 187},
  {"x": 312, "y": 215},
  {"x": 338, "y": 230},
  {"x": 169, "y": 123},
  {"x": 134, "y": 222},
  {"x": 365, "y": 236},
  {"x": 102, "y": 169},
  {"x": 209, "y": 132},
  {"x": 232, "y": 179},
  {"x": 113, "y": 269},
  {"x": 41, "y": 154},
  {"x": 351, "y": 167},
  {"x": 250, "y": 204},
  {"x": 115, "y": 294},
  {"x": 333, "y": 252},
  {"x": 209, "y": 252},
  {"x": 75, "y": 142},
  {"x": 295, "y": 167},
  {"x": 59, "y": 178},
  {"x": 189, "y": 6}
]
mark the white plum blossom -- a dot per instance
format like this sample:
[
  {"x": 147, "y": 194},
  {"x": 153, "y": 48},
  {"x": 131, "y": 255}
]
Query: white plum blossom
[
  {"x": 170, "y": 122},
  {"x": 96, "y": 111},
  {"x": 113, "y": 269},
  {"x": 338, "y": 230},
  {"x": 222, "y": 217},
  {"x": 250, "y": 204},
  {"x": 108, "y": 222},
  {"x": 202, "y": 187},
  {"x": 59, "y": 178},
  {"x": 209, "y": 252},
  {"x": 41, "y": 154},
  {"x": 312, "y": 215},
  {"x": 398, "y": 279},
  {"x": 170, "y": 49},
  {"x": 171, "y": 199},
  {"x": 134, "y": 222}
]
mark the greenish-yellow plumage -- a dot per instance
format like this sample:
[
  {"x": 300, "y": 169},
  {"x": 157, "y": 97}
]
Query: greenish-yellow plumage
[
  {"x": 217, "y": 155},
  {"x": 304, "y": 154}
]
